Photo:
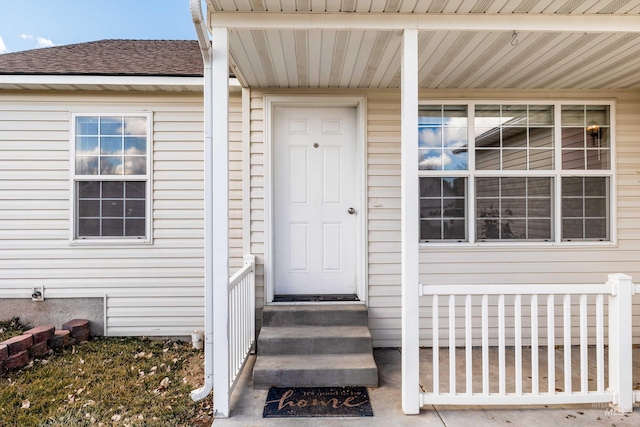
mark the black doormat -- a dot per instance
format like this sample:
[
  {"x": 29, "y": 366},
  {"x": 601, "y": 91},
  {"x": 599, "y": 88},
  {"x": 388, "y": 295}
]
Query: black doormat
[
  {"x": 315, "y": 298},
  {"x": 317, "y": 402}
]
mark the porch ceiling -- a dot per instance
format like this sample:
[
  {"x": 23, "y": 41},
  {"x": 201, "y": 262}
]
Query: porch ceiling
[{"x": 470, "y": 44}]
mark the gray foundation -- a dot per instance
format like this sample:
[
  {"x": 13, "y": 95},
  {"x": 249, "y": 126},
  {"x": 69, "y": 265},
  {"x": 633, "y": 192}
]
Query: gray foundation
[{"x": 55, "y": 311}]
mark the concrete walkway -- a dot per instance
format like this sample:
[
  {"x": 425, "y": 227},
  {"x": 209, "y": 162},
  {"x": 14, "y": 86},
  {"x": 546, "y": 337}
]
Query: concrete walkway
[{"x": 247, "y": 405}]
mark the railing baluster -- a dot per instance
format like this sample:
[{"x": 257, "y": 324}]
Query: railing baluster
[
  {"x": 518, "y": 344},
  {"x": 600, "y": 342},
  {"x": 551, "y": 345},
  {"x": 535, "y": 376},
  {"x": 485, "y": 345},
  {"x": 584, "y": 343},
  {"x": 436, "y": 344},
  {"x": 452, "y": 344},
  {"x": 567, "y": 343},
  {"x": 468, "y": 343},
  {"x": 501, "y": 345}
]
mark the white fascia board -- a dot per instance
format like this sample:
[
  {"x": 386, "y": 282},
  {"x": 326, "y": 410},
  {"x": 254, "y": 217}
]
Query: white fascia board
[
  {"x": 53, "y": 80},
  {"x": 427, "y": 22}
]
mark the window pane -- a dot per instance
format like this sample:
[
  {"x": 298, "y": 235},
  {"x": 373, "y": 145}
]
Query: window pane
[
  {"x": 430, "y": 137},
  {"x": 585, "y": 208},
  {"x": 454, "y": 115},
  {"x": 113, "y": 189},
  {"x": 135, "y": 145},
  {"x": 113, "y": 227},
  {"x": 598, "y": 159},
  {"x": 430, "y": 187},
  {"x": 135, "y": 208},
  {"x": 110, "y": 145},
  {"x": 514, "y": 159},
  {"x": 442, "y": 208},
  {"x": 110, "y": 165},
  {"x": 430, "y": 114},
  {"x": 541, "y": 137},
  {"x": 87, "y": 165},
  {"x": 454, "y": 230},
  {"x": 430, "y": 230},
  {"x": 88, "y": 189},
  {"x": 508, "y": 208},
  {"x": 135, "y": 189},
  {"x": 573, "y": 137},
  {"x": 135, "y": 165},
  {"x": 572, "y": 159},
  {"x": 110, "y": 126},
  {"x": 598, "y": 114},
  {"x": 488, "y": 159},
  {"x": 86, "y": 126},
  {"x": 135, "y": 227},
  {"x": 430, "y": 160},
  {"x": 135, "y": 126},
  {"x": 514, "y": 115},
  {"x": 540, "y": 159},
  {"x": 487, "y": 116},
  {"x": 106, "y": 205},
  {"x": 86, "y": 145},
  {"x": 88, "y": 227},
  {"x": 113, "y": 208},
  {"x": 455, "y": 159},
  {"x": 572, "y": 115},
  {"x": 541, "y": 115},
  {"x": 514, "y": 137}
]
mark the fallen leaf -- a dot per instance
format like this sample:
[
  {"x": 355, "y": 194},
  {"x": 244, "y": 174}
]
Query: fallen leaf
[
  {"x": 165, "y": 382},
  {"x": 26, "y": 404},
  {"x": 116, "y": 417}
]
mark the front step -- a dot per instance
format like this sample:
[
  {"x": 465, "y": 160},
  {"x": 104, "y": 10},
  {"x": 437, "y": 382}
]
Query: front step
[
  {"x": 327, "y": 370},
  {"x": 315, "y": 345},
  {"x": 314, "y": 340}
]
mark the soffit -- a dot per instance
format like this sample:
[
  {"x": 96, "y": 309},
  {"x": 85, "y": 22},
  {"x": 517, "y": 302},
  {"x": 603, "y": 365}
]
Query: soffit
[{"x": 449, "y": 58}]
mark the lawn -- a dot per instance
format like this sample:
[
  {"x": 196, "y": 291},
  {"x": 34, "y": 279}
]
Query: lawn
[{"x": 106, "y": 382}]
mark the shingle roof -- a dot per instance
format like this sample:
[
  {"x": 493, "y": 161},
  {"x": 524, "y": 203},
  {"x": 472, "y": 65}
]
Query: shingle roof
[{"x": 109, "y": 57}]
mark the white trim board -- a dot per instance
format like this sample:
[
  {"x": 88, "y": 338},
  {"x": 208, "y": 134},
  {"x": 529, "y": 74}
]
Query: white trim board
[{"x": 359, "y": 102}]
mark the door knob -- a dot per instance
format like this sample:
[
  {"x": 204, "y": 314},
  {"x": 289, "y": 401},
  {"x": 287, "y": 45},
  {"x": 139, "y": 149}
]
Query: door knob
[{"x": 351, "y": 211}]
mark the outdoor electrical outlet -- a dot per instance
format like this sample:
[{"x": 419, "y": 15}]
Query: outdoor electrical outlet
[{"x": 37, "y": 294}]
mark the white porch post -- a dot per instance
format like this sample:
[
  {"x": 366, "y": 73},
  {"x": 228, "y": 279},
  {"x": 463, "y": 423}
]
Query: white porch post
[
  {"x": 220, "y": 218},
  {"x": 410, "y": 225},
  {"x": 620, "y": 342}
]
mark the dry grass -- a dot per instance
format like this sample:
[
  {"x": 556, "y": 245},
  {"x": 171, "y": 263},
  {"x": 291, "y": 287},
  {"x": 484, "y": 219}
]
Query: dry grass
[{"x": 106, "y": 382}]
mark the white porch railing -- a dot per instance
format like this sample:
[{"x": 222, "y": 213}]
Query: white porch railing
[
  {"x": 242, "y": 318},
  {"x": 531, "y": 321}
]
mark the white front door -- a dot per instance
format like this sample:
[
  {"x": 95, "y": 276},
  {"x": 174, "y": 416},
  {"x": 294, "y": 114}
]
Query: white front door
[{"x": 315, "y": 200}]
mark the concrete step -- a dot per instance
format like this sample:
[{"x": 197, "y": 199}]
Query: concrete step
[
  {"x": 314, "y": 340},
  {"x": 328, "y": 370},
  {"x": 315, "y": 315}
]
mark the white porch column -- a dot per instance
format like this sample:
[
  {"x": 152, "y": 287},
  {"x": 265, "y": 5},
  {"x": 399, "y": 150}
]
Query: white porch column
[
  {"x": 621, "y": 342},
  {"x": 410, "y": 223},
  {"x": 219, "y": 220}
]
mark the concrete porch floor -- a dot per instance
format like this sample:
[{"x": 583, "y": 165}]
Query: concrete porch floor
[{"x": 247, "y": 405}]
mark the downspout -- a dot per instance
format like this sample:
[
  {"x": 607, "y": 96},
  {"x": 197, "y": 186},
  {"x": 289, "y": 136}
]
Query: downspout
[{"x": 205, "y": 47}]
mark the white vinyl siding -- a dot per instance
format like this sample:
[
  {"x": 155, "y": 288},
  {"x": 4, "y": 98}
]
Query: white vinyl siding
[{"x": 155, "y": 289}]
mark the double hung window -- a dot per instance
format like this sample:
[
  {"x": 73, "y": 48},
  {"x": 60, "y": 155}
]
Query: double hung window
[
  {"x": 111, "y": 177},
  {"x": 515, "y": 172}
]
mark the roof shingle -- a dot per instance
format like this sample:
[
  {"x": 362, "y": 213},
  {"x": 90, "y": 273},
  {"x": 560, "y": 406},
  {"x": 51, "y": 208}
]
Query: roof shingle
[{"x": 109, "y": 57}]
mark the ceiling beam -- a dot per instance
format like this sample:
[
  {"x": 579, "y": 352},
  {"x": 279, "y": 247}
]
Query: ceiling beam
[{"x": 427, "y": 22}]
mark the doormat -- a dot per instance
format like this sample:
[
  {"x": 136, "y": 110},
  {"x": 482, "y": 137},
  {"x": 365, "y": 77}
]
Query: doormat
[
  {"x": 315, "y": 298},
  {"x": 317, "y": 402}
]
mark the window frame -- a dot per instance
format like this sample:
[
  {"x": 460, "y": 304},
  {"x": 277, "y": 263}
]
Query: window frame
[
  {"x": 556, "y": 174},
  {"x": 74, "y": 179}
]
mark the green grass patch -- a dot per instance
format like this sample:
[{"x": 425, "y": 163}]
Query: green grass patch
[
  {"x": 106, "y": 381},
  {"x": 12, "y": 327}
]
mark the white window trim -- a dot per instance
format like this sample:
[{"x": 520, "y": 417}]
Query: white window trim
[
  {"x": 73, "y": 178},
  {"x": 557, "y": 173}
]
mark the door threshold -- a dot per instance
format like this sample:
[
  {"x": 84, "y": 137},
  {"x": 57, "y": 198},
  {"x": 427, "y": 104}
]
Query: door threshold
[{"x": 316, "y": 298}]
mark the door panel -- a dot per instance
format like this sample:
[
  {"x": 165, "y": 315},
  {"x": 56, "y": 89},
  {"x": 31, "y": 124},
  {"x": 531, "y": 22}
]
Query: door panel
[{"x": 314, "y": 185}]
